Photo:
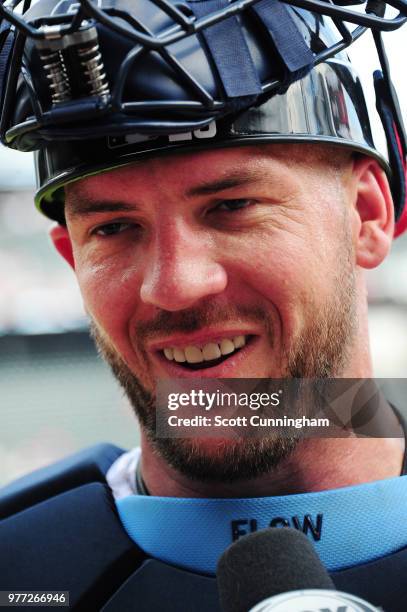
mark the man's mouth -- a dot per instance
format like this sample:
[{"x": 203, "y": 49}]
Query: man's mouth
[{"x": 209, "y": 355}]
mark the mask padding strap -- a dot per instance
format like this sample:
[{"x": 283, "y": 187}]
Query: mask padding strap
[
  {"x": 296, "y": 56},
  {"x": 390, "y": 115},
  {"x": 231, "y": 55}
]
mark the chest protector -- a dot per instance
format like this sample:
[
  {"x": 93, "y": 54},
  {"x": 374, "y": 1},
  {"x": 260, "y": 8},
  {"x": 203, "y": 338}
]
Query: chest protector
[{"x": 60, "y": 531}]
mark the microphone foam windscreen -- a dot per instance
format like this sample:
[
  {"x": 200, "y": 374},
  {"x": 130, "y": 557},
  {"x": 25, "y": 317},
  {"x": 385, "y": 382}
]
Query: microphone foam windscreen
[{"x": 267, "y": 563}]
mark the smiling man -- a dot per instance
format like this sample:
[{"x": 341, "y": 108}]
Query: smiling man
[
  {"x": 219, "y": 197},
  {"x": 168, "y": 278}
]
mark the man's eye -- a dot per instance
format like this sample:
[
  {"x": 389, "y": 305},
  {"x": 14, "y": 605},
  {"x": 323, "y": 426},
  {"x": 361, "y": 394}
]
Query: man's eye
[
  {"x": 111, "y": 229},
  {"x": 231, "y": 205}
]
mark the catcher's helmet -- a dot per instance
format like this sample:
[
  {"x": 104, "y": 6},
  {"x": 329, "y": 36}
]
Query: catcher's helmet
[{"x": 92, "y": 84}]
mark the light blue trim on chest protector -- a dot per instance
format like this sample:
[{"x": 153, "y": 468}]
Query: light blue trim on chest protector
[{"x": 355, "y": 524}]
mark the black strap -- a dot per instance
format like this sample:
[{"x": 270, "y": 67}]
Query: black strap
[
  {"x": 140, "y": 484},
  {"x": 230, "y": 53},
  {"x": 390, "y": 114},
  {"x": 6, "y": 46},
  {"x": 295, "y": 54},
  {"x": 393, "y": 138}
]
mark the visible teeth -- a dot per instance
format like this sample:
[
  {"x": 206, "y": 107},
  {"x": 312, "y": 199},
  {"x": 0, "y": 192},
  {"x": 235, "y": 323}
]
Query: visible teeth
[
  {"x": 179, "y": 355},
  {"x": 239, "y": 341},
  {"x": 193, "y": 354},
  {"x": 227, "y": 346},
  {"x": 169, "y": 353},
  {"x": 211, "y": 351}
]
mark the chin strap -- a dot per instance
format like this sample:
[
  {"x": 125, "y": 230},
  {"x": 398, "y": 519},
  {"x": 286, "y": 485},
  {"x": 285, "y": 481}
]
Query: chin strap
[{"x": 389, "y": 110}]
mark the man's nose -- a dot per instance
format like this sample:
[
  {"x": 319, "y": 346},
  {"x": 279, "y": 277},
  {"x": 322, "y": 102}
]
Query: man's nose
[{"x": 181, "y": 270}]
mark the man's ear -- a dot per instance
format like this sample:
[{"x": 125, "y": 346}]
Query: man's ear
[
  {"x": 374, "y": 213},
  {"x": 62, "y": 242}
]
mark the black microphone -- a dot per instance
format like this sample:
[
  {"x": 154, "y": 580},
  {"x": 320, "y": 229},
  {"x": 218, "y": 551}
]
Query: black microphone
[{"x": 278, "y": 569}]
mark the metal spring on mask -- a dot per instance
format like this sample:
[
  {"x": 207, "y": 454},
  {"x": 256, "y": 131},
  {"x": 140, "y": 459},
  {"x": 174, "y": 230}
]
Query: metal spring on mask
[
  {"x": 54, "y": 66},
  {"x": 93, "y": 69}
]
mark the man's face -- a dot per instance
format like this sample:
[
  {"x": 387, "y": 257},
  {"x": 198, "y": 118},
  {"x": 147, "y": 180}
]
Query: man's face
[{"x": 221, "y": 264}]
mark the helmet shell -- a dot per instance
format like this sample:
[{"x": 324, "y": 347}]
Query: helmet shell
[{"x": 174, "y": 98}]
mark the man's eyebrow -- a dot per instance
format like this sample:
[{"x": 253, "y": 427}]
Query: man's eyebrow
[
  {"x": 236, "y": 179},
  {"x": 81, "y": 206}
]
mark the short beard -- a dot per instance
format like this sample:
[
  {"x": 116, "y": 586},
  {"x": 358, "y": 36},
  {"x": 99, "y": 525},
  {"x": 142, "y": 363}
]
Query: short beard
[{"x": 321, "y": 352}]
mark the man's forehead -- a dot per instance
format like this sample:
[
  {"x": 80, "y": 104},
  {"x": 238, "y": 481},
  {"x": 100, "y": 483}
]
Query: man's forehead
[{"x": 183, "y": 171}]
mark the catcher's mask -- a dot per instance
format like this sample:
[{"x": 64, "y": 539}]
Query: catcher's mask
[{"x": 92, "y": 84}]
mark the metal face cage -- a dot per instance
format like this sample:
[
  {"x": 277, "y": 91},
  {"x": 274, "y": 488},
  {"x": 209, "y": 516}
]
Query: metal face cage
[{"x": 60, "y": 31}]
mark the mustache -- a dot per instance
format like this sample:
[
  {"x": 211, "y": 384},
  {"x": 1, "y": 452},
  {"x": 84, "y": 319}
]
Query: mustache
[{"x": 199, "y": 318}]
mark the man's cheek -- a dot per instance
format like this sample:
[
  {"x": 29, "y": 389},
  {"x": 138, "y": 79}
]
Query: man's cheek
[
  {"x": 274, "y": 272},
  {"x": 290, "y": 282},
  {"x": 107, "y": 298}
]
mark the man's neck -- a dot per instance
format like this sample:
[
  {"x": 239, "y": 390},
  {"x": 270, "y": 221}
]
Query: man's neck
[{"x": 314, "y": 465}]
